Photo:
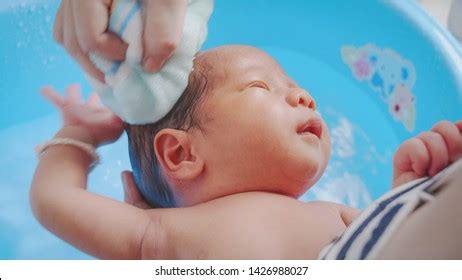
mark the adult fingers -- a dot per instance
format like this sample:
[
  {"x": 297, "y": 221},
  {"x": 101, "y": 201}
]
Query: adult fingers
[
  {"x": 452, "y": 137},
  {"x": 91, "y": 21},
  {"x": 163, "y": 28},
  {"x": 439, "y": 157},
  {"x": 58, "y": 24},
  {"x": 72, "y": 45},
  {"x": 131, "y": 194},
  {"x": 128, "y": 194}
]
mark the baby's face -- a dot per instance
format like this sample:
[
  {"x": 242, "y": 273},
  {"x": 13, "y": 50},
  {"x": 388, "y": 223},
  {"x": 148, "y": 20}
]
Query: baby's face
[{"x": 262, "y": 131}]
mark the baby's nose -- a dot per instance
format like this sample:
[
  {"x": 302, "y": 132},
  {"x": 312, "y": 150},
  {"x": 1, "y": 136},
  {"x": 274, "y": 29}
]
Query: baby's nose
[{"x": 299, "y": 97}]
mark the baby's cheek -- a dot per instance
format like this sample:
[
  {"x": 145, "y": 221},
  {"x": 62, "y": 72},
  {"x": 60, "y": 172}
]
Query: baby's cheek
[{"x": 326, "y": 145}]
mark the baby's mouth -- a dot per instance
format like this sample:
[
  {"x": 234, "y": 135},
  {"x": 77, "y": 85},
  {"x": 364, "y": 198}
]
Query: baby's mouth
[{"x": 312, "y": 126}]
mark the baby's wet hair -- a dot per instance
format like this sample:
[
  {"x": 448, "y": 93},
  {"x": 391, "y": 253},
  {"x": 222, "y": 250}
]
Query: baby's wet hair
[{"x": 185, "y": 115}]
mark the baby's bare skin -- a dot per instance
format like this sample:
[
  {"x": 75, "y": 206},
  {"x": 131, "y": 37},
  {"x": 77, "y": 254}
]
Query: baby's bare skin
[
  {"x": 261, "y": 132},
  {"x": 237, "y": 182},
  {"x": 253, "y": 225}
]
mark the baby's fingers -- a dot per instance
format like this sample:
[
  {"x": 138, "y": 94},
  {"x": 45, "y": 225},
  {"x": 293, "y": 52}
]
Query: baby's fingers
[
  {"x": 439, "y": 156},
  {"x": 412, "y": 156},
  {"x": 53, "y": 96},
  {"x": 94, "y": 101},
  {"x": 73, "y": 94},
  {"x": 452, "y": 137},
  {"x": 459, "y": 126}
]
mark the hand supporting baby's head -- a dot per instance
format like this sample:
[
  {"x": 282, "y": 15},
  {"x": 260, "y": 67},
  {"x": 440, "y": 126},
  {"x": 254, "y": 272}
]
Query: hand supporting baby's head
[{"x": 241, "y": 125}]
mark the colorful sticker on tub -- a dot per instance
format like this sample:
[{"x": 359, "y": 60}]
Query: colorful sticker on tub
[{"x": 389, "y": 75}]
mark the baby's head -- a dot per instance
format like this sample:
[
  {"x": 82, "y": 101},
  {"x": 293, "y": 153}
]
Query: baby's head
[{"x": 241, "y": 125}]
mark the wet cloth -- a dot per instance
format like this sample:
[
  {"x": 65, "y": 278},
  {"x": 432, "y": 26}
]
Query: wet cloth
[{"x": 138, "y": 97}]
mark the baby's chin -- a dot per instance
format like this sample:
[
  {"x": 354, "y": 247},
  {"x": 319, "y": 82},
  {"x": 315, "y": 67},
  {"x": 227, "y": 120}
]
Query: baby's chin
[
  {"x": 306, "y": 178},
  {"x": 297, "y": 191},
  {"x": 292, "y": 191}
]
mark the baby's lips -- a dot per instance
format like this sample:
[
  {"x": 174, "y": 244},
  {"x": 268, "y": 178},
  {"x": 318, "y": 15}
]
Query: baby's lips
[{"x": 313, "y": 126}]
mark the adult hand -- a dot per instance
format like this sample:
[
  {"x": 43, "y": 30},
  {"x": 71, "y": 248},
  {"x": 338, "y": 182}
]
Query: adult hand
[
  {"x": 81, "y": 26},
  {"x": 428, "y": 153},
  {"x": 163, "y": 28},
  {"x": 131, "y": 194}
]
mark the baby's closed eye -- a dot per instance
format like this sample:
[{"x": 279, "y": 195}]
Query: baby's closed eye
[{"x": 258, "y": 84}]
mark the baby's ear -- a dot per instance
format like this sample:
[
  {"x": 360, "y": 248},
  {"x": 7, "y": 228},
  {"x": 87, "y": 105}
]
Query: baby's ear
[{"x": 176, "y": 155}]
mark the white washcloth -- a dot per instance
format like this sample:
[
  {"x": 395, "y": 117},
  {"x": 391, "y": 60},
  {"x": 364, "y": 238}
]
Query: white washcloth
[{"x": 138, "y": 97}]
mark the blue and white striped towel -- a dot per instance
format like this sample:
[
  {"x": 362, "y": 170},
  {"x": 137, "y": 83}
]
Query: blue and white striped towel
[{"x": 365, "y": 237}]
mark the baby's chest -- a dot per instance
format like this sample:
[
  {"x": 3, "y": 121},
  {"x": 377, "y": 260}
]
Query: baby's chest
[
  {"x": 303, "y": 234},
  {"x": 319, "y": 226}
]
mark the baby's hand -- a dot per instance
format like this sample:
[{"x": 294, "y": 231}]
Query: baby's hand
[
  {"x": 428, "y": 153},
  {"x": 103, "y": 126}
]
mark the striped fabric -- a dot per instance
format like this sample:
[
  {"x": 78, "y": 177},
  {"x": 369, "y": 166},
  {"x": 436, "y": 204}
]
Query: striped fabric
[{"x": 376, "y": 224}]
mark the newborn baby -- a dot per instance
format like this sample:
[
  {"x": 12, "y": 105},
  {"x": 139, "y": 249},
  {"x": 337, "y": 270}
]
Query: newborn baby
[
  {"x": 241, "y": 125},
  {"x": 241, "y": 144}
]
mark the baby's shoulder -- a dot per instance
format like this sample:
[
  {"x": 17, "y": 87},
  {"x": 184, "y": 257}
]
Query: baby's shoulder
[
  {"x": 323, "y": 205},
  {"x": 345, "y": 213}
]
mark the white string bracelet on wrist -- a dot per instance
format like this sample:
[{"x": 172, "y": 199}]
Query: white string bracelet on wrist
[{"x": 89, "y": 149}]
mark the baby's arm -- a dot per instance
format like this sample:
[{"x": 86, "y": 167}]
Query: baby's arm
[
  {"x": 100, "y": 226},
  {"x": 428, "y": 153}
]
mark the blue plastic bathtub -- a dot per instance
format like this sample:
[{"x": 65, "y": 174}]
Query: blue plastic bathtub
[{"x": 381, "y": 71}]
